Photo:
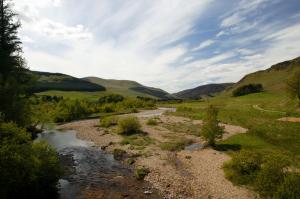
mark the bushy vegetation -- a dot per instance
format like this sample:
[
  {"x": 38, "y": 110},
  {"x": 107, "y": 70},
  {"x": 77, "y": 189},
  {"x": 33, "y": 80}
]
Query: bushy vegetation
[
  {"x": 139, "y": 141},
  {"x": 112, "y": 98},
  {"x": 119, "y": 154},
  {"x": 27, "y": 169},
  {"x": 210, "y": 129},
  {"x": 176, "y": 144},
  {"x": 266, "y": 172},
  {"x": 247, "y": 89},
  {"x": 108, "y": 121},
  {"x": 141, "y": 173},
  {"x": 152, "y": 121},
  {"x": 129, "y": 125}
]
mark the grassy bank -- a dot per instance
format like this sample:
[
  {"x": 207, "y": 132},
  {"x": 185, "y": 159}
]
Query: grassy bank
[{"x": 265, "y": 132}]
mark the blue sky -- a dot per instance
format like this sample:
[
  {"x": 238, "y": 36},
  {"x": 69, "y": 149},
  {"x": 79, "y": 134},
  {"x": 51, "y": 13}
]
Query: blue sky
[{"x": 170, "y": 44}]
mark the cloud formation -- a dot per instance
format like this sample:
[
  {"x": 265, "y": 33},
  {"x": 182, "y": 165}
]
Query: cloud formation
[{"x": 171, "y": 44}]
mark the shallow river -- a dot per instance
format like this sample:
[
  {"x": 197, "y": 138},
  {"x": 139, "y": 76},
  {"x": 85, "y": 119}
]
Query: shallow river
[{"x": 93, "y": 173}]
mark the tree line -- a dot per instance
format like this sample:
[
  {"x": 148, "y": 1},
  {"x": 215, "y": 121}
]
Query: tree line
[{"x": 27, "y": 169}]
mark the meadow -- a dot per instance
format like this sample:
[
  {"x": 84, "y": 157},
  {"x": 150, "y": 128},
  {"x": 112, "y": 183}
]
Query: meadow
[{"x": 265, "y": 132}]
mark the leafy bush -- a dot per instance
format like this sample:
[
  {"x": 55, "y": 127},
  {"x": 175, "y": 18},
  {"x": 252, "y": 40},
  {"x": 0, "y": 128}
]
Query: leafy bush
[
  {"x": 141, "y": 173},
  {"x": 138, "y": 141},
  {"x": 152, "y": 121},
  {"x": 129, "y": 125},
  {"x": 243, "y": 167},
  {"x": 111, "y": 98},
  {"x": 108, "y": 108},
  {"x": 119, "y": 154},
  {"x": 26, "y": 169},
  {"x": 108, "y": 121},
  {"x": 247, "y": 89},
  {"x": 176, "y": 144},
  {"x": 270, "y": 176},
  {"x": 210, "y": 129},
  {"x": 266, "y": 172},
  {"x": 290, "y": 188}
]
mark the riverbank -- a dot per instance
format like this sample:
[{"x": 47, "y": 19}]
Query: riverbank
[{"x": 177, "y": 174}]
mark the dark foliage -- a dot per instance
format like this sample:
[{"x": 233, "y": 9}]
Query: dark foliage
[
  {"x": 112, "y": 98},
  {"x": 247, "y": 89},
  {"x": 27, "y": 170},
  {"x": 14, "y": 80}
]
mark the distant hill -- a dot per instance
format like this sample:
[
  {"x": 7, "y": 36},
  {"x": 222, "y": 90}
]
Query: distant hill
[
  {"x": 273, "y": 79},
  {"x": 61, "y": 82},
  {"x": 130, "y": 88},
  {"x": 200, "y": 91}
]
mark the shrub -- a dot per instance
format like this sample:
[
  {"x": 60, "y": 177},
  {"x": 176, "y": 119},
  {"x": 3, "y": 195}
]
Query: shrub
[
  {"x": 141, "y": 173},
  {"x": 243, "y": 167},
  {"x": 140, "y": 141},
  {"x": 290, "y": 188},
  {"x": 108, "y": 121},
  {"x": 129, "y": 125},
  {"x": 26, "y": 169},
  {"x": 247, "y": 89},
  {"x": 210, "y": 129},
  {"x": 270, "y": 176},
  {"x": 152, "y": 121},
  {"x": 108, "y": 108},
  {"x": 119, "y": 154},
  {"x": 111, "y": 98},
  {"x": 176, "y": 144}
]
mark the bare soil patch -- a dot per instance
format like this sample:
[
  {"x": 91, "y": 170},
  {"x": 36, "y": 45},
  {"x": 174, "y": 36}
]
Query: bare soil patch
[{"x": 289, "y": 119}]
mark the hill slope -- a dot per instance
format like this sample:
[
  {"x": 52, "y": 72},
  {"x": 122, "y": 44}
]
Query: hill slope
[
  {"x": 205, "y": 90},
  {"x": 61, "y": 82},
  {"x": 130, "y": 88},
  {"x": 273, "y": 79}
]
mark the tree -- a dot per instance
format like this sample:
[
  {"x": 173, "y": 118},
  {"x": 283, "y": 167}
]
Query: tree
[
  {"x": 247, "y": 89},
  {"x": 210, "y": 128},
  {"x": 293, "y": 86},
  {"x": 14, "y": 78}
]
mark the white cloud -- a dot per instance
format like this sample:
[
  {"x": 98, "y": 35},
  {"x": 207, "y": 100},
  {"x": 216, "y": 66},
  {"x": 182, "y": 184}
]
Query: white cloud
[
  {"x": 147, "y": 41},
  {"x": 232, "y": 20},
  {"x": 204, "y": 44}
]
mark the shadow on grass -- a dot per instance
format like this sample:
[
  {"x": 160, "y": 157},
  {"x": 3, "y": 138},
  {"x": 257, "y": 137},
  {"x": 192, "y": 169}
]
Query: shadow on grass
[{"x": 227, "y": 147}]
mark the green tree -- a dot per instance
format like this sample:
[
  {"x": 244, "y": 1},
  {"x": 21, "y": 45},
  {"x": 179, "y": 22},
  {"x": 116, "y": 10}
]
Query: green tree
[
  {"x": 27, "y": 170},
  {"x": 293, "y": 86},
  {"x": 14, "y": 78},
  {"x": 210, "y": 128}
]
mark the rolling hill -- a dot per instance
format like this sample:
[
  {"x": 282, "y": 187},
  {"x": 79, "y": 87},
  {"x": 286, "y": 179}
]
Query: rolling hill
[
  {"x": 61, "y": 82},
  {"x": 91, "y": 87},
  {"x": 130, "y": 88},
  {"x": 273, "y": 79},
  {"x": 200, "y": 91}
]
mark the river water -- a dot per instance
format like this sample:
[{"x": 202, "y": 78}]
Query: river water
[{"x": 92, "y": 173}]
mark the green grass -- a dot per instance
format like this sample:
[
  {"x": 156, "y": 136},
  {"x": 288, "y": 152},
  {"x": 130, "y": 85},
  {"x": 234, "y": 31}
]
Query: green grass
[
  {"x": 185, "y": 128},
  {"x": 138, "y": 142},
  {"x": 265, "y": 132},
  {"x": 176, "y": 144}
]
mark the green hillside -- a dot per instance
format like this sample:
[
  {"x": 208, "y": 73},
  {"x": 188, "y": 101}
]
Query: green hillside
[
  {"x": 129, "y": 88},
  {"x": 61, "y": 82},
  {"x": 273, "y": 79},
  {"x": 204, "y": 90}
]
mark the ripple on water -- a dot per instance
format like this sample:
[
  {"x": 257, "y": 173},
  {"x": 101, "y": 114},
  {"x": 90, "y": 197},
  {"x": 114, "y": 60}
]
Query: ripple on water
[{"x": 93, "y": 172}]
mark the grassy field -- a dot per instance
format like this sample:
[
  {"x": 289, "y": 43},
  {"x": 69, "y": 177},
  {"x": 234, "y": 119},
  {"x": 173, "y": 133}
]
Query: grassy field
[{"x": 265, "y": 132}]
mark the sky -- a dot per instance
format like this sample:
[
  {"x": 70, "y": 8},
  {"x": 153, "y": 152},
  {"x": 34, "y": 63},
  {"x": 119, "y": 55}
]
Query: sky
[{"x": 169, "y": 44}]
